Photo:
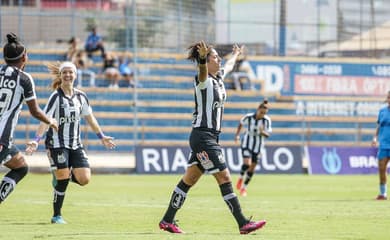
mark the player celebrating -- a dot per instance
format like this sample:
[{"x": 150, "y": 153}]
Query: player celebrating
[
  {"x": 16, "y": 86},
  {"x": 258, "y": 127},
  {"x": 65, "y": 150},
  {"x": 206, "y": 152}
]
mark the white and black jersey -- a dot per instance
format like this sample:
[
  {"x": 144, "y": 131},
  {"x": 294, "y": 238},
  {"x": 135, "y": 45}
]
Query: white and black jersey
[
  {"x": 210, "y": 96},
  {"x": 16, "y": 86},
  {"x": 253, "y": 140},
  {"x": 68, "y": 112}
]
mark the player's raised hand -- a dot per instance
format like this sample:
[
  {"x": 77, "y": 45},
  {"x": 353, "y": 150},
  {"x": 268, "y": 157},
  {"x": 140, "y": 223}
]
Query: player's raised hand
[
  {"x": 203, "y": 50},
  {"x": 238, "y": 49}
]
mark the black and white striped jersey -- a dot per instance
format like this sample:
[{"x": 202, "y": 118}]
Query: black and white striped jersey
[
  {"x": 16, "y": 86},
  {"x": 68, "y": 113},
  {"x": 210, "y": 96},
  {"x": 252, "y": 139}
]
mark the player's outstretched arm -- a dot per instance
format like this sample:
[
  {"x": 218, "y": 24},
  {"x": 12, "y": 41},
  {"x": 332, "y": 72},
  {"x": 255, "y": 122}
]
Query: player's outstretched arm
[
  {"x": 37, "y": 112},
  {"x": 32, "y": 146},
  {"x": 107, "y": 141}
]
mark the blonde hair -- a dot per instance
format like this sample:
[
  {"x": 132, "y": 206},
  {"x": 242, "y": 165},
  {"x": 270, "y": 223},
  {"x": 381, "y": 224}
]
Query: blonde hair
[{"x": 54, "y": 69}]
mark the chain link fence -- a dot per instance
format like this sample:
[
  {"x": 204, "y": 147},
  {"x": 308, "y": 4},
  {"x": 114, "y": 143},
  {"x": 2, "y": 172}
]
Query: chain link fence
[{"x": 267, "y": 27}]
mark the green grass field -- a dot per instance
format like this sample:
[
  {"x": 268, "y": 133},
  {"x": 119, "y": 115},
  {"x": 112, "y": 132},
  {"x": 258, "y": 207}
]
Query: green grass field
[{"x": 130, "y": 207}]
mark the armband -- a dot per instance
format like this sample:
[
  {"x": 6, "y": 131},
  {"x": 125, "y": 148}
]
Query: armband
[
  {"x": 100, "y": 135},
  {"x": 202, "y": 60},
  {"x": 37, "y": 138}
]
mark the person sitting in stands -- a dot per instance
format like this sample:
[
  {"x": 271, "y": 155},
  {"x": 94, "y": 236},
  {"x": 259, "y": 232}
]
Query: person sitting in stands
[
  {"x": 94, "y": 43},
  {"x": 83, "y": 63},
  {"x": 126, "y": 71},
  {"x": 110, "y": 70},
  {"x": 242, "y": 71}
]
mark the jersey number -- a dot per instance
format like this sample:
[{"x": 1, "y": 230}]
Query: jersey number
[{"x": 5, "y": 97}]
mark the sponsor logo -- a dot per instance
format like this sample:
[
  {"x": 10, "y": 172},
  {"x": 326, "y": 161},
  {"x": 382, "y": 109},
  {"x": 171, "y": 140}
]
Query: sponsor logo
[
  {"x": 331, "y": 161},
  {"x": 7, "y": 83},
  {"x": 70, "y": 119}
]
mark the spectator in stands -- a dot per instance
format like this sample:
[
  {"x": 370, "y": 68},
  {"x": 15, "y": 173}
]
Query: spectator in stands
[
  {"x": 110, "y": 70},
  {"x": 125, "y": 70},
  {"x": 16, "y": 87},
  {"x": 241, "y": 72},
  {"x": 258, "y": 128},
  {"x": 382, "y": 136},
  {"x": 73, "y": 48},
  {"x": 83, "y": 63},
  {"x": 206, "y": 155},
  {"x": 94, "y": 43},
  {"x": 66, "y": 153}
]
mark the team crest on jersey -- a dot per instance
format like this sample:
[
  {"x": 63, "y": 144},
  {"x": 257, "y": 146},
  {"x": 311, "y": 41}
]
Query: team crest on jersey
[{"x": 61, "y": 158}]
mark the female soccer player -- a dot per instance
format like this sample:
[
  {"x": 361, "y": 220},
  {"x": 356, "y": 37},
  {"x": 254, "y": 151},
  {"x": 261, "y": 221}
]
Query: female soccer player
[
  {"x": 382, "y": 135},
  {"x": 66, "y": 154},
  {"x": 16, "y": 86},
  {"x": 258, "y": 127},
  {"x": 206, "y": 155}
]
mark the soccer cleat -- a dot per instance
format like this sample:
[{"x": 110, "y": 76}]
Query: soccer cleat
[
  {"x": 58, "y": 220},
  {"x": 243, "y": 192},
  {"x": 381, "y": 197},
  {"x": 252, "y": 226},
  {"x": 170, "y": 227},
  {"x": 239, "y": 184}
]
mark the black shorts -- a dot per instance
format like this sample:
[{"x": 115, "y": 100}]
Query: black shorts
[
  {"x": 247, "y": 153},
  {"x": 206, "y": 153},
  {"x": 61, "y": 158},
  {"x": 7, "y": 153}
]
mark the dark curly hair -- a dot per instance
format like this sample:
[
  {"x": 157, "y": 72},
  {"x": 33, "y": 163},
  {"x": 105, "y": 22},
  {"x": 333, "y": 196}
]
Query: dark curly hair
[{"x": 193, "y": 54}]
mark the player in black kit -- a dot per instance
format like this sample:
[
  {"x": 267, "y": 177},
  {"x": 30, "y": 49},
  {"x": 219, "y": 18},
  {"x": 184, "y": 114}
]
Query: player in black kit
[
  {"x": 16, "y": 86},
  {"x": 206, "y": 155}
]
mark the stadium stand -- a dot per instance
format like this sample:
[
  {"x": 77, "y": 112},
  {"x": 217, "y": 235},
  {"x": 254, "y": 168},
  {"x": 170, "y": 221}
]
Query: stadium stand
[{"x": 159, "y": 111}]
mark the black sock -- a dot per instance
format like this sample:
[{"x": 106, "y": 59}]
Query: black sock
[
  {"x": 248, "y": 177},
  {"x": 10, "y": 180},
  {"x": 177, "y": 200},
  {"x": 59, "y": 195},
  {"x": 244, "y": 167},
  {"x": 232, "y": 201}
]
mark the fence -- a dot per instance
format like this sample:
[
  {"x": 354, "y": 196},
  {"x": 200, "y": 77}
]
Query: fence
[{"x": 268, "y": 27}]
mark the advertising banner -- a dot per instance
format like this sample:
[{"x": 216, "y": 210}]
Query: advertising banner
[
  {"x": 342, "y": 160},
  {"x": 323, "y": 78},
  {"x": 158, "y": 159}
]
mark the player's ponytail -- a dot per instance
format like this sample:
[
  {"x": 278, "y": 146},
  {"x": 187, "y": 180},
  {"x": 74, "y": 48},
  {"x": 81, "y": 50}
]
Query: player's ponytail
[
  {"x": 264, "y": 104},
  {"x": 54, "y": 69},
  {"x": 13, "y": 50}
]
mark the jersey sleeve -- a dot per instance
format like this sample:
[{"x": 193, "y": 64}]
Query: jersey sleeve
[
  {"x": 268, "y": 125},
  {"x": 201, "y": 85},
  {"x": 85, "y": 108},
  {"x": 51, "y": 105},
  {"x": 27, "y": 83},
  {"x": 244, "y": 119}
]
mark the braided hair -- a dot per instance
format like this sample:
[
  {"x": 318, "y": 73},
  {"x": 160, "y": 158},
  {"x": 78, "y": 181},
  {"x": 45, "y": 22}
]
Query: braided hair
[{"x": 13, "y": 50}]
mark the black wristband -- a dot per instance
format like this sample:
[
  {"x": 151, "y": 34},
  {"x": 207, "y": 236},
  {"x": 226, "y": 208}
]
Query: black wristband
[{"x": 202, "y": 60}]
